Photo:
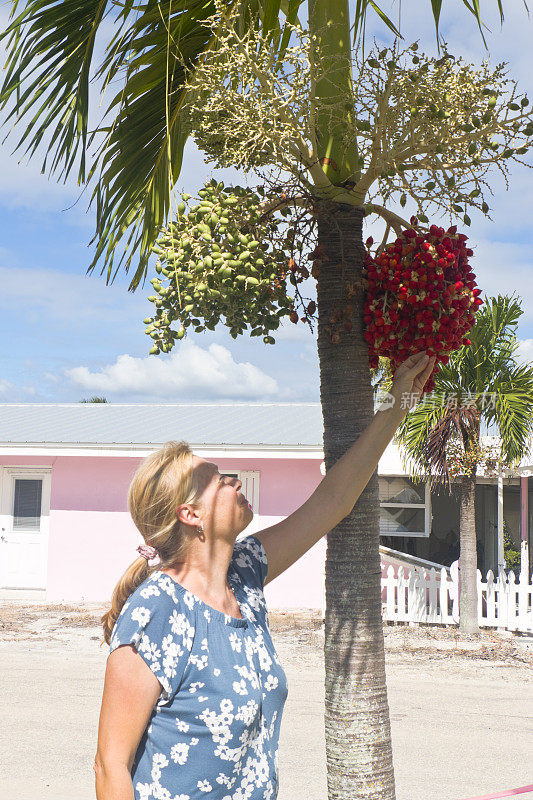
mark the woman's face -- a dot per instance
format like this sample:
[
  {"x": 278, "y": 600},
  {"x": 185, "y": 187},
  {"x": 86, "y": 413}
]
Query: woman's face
[{"x": 224, "y": 509}]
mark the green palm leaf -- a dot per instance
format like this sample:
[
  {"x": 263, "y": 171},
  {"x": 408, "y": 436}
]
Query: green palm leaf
[
  {"x": 513, "y": 411},
  {"x": 50, "y": 47},
  {"x": 486, "y": 367}
]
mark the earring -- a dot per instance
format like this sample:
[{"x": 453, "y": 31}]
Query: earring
[{"x": 200, "y": 528}]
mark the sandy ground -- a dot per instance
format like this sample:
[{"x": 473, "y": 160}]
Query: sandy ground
[{"x": 461, "y": 707}]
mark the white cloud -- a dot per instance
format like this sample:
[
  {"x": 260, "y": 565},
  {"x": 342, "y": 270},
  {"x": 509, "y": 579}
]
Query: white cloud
[
  {"x": 525, "y": 351},
  {"x": 15, "y": 394},
  {"x": 188, "y": 373}
]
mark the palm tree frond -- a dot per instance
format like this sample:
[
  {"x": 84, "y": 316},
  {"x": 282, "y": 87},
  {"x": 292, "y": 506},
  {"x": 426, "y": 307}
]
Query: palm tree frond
[
  {"x": 412, "y": 434},
  {"x": 50, "y": 48},
  {"x": 486, "y": 367},
  {"x": 512, "y": 411},
  {"x": 290, "y": 9},
  {"x": 361, "y": 9},
  {"x": 141, "y": 156},
  {"x": 426, "y": 431}
]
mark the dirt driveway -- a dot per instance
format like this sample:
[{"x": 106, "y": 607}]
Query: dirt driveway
[{"x": 461, "y": 708}]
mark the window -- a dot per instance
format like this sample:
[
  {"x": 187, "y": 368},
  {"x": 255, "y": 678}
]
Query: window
[
  {"x": 27, "y": 499},
  {"x": 404, "y": 507},
  {"x": 250, "y": 485}
]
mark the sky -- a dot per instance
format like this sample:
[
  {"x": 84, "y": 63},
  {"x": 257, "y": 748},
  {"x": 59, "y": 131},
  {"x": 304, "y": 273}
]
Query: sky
[{"x": 66, "y": 336}]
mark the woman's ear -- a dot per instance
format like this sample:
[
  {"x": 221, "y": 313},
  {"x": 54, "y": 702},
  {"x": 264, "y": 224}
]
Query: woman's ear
[{"x": 187, "y": 515}]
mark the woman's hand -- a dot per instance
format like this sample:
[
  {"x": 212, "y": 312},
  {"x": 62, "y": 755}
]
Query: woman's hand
[{"x": 410, "y": 378}]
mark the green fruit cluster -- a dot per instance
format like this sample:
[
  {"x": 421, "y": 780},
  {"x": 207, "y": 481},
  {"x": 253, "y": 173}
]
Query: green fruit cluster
[{"x": 215, "y": 262}]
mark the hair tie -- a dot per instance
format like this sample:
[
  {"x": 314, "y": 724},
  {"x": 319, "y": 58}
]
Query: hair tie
[{"x": 147, "y": 551}]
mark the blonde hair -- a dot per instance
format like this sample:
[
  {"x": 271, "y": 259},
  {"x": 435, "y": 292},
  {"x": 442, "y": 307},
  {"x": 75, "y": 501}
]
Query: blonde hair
[{"x": 163, "y": 481}]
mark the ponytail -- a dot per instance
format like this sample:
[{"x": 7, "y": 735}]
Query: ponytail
[
  {"x": 163, "y": 481},
  {"x": 136, "y": 573}
]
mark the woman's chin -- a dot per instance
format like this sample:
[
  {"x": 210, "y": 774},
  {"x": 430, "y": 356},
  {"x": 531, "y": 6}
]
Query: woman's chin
[{"x": 248, "y": 516}]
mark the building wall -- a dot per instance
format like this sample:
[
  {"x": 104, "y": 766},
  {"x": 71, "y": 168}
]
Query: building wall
[
  {"x": 91, "y": 484},
  {"x": 92, "y": 537}
]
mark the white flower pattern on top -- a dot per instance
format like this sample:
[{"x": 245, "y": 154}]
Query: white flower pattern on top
[
  {"x": 233, "y": 723},
  {"x": 148, "y": 591}
]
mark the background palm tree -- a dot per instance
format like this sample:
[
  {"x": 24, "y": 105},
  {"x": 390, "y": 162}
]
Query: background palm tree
[
  {"x": 94, "y": 400},
  {"x": 381, "y": 375},
  {"x": 137, "y": 162},
  {"x": 483, "y": 384}
]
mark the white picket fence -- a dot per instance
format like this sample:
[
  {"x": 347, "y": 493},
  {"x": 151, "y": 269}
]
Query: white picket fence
[{"x": 420, "y": 595}]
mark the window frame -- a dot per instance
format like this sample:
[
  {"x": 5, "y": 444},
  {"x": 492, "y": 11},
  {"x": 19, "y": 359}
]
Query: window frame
[
  {"x": 426, "y": 505},
  {"x": 8, "y": 476},
  {"x": 250, "y": 484}
]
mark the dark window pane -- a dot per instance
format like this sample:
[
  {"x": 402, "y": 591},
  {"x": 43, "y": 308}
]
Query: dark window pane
[
  {"x": 27, "y": 504},
  {"x": 401, "y": 490},
  {"x": 401, "y": 521}
]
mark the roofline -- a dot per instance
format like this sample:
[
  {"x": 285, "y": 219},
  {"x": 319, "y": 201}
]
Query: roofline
[
  {"x": 302, "y": 452},
  {"x": 144, "y": 449},
  {"x": 151, "y": 405}
]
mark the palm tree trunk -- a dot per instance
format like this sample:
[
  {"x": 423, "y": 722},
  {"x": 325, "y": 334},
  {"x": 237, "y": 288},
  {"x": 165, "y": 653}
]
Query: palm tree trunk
[
  {"x": 468, "y": 557},
  {"x": 358, "y": 741}
]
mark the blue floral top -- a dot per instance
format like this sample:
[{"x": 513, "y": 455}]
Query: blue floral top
[{"x": 214, "y": 730}]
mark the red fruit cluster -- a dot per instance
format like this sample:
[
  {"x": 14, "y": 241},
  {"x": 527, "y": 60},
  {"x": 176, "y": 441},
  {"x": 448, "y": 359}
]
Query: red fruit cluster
[{"x": 421, "y": 295}]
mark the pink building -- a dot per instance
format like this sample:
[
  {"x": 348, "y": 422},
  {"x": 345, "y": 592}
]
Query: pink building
[{"x": 66, "y": 534}]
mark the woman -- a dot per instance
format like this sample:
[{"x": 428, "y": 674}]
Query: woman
[{"x": 193, "y": 690}]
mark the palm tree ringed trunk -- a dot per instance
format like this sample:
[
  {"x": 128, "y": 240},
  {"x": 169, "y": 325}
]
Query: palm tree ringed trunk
[
  {"x": 358, "y": 741},
  {"x": 468, "y": 556}
]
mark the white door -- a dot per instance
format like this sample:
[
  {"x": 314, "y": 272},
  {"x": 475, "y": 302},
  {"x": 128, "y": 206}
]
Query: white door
[{"x": 24, "y": 526}]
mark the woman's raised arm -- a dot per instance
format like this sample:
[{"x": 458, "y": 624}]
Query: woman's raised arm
[{"x": 335, "y": 496}]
